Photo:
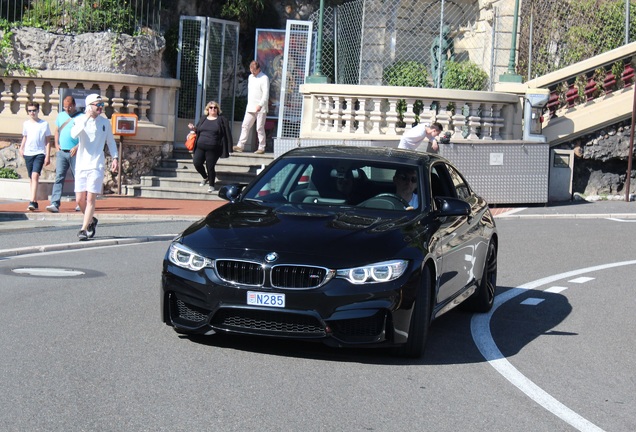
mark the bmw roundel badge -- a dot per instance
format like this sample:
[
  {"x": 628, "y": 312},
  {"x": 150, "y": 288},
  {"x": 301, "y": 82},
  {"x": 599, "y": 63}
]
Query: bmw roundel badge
[{"x": 271, "y": 257}]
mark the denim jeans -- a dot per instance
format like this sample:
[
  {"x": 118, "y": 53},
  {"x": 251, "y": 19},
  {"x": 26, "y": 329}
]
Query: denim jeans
[{"x": 64, "y": 162}]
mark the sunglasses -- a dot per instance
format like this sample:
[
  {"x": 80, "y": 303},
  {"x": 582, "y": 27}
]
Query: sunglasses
[
  {"x": 98, "y": 104},
  {"x": 214, "y": 107},
  {"x": 32, "y": 111},
  {"x": 407, "y": 178}
]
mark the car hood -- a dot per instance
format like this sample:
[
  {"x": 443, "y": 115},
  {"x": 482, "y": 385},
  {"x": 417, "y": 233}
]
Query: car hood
[{"x": 250, "y": 229}]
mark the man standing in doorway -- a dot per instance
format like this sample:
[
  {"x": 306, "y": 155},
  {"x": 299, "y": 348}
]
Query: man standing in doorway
[
  {"x": 66, "y": 150},
  {"x": 93, "y": 132},
  {"x": 256, "y": 110}
]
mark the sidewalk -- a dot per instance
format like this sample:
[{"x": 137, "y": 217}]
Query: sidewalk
[
  {"x": 115, "y": 207},
  {"x": 111, "y": 207}
]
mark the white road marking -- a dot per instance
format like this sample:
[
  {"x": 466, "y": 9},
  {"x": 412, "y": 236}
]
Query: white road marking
[
  {"x": 622, "y": 220},
  {"x": 532, "y": 301},
  {"x": 480, "y": 328},
  {"x": 581, "y": 280},
  {"x": 556, "y": 289}
]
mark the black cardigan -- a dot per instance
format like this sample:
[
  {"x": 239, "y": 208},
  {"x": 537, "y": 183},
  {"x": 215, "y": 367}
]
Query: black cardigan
[{"x": 226, "y": 135}]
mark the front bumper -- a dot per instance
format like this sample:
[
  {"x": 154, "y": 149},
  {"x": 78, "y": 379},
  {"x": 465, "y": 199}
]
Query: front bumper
[{"x": 336, "y": 314}]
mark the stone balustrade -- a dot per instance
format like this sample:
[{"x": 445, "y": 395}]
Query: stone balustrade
[
  {"x": 151, "y": 99},
  {"x": 345, "y": 112}
]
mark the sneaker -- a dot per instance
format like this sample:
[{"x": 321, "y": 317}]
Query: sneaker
[
  {"x": 203, "y": 182},
  {"x": 91, "y": 228},
  {"x": 82, "y": 235},
  {"x": 211, "y": 189},
  {"x": 77, "y": 208},
  {"x": 237, "y": 149},
  {"x": 259, "y": 151},
  {"x": 33, "y": 205},
  {"x": 52, "y": 208}
]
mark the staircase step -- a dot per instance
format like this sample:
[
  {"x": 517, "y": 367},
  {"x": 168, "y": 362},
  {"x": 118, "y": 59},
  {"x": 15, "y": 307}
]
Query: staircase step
[
  {"x": 200, "y": 193},
  {"x": 176, "y": 177}
]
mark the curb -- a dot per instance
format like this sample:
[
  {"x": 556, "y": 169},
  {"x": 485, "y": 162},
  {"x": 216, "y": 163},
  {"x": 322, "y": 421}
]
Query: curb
[
  {"x": 83, "y": 245},
  {"x": 17, "y": 216}
]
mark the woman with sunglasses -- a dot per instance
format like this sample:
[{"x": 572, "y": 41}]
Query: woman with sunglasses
[
  {"x": 214, "y": 141},
  {"x": 35, "y": 148}
]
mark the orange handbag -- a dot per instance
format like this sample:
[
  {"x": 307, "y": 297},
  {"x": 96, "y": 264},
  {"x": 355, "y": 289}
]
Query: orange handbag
[{"x": 190, "y": 141}]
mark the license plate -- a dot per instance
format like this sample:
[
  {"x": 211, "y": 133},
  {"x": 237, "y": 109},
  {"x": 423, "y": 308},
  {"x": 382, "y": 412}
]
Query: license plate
[{"x": 265, "y": 299}]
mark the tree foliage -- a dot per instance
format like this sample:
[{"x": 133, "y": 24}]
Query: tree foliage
[{"x": 464, "y": 76}]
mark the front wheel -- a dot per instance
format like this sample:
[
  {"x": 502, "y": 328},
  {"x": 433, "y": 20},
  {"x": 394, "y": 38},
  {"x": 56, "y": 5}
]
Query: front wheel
[
  {"x": 483, "y": 299},
  {"x": 420, "y": 320}
]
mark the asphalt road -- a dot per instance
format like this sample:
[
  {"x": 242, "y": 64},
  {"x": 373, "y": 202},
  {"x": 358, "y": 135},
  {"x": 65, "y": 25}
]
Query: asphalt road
[{"x": 86, "y": 351}]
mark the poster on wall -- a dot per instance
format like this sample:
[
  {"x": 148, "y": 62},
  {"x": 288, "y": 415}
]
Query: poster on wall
[{"x": 270, "y": 46}]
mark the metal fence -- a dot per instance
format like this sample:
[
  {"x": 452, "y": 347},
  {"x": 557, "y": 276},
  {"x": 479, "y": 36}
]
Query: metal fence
[
  {"x": 207, "y": 63},
  {"x": 557, "y": 33},
  {"x": 364, "y": 40},
  {"x": 82, "y": 16}
]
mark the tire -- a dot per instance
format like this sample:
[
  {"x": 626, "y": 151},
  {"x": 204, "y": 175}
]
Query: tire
[
  {"x": 420, "y": 320},
  {"x": 483, "y": 299}
]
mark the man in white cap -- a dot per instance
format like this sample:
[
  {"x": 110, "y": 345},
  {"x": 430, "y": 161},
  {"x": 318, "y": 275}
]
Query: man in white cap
[{"x": 93, "y": 132}]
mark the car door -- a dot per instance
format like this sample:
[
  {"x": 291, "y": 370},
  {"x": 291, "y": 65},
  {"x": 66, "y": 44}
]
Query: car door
[{"x": 457, "y": 237}]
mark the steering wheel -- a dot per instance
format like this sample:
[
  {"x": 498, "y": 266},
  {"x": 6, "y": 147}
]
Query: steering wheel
[{"x": 386, "y": 200}]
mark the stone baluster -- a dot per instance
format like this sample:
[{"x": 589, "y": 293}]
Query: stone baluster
[
  {"x": 459, "y": 121},
  {"x": 498, "y": 121},
  {"x": 7, "y": 96},
  {"x": 628, "y": 73},
  {"x": 335, "y": 116},
  {"x": 474, "y": 119},
  {"x": 117, "y": 101},
  {"x": 487, "y": 122},
  {"x": 361, "y": 116},
  {"x": 609, "y": 82},
  {"x": 131, "y": 102},
  {"x": 326, "y": 114},
  {"x": 375, "y": 116},
  {"x": 38, "y": 95},
  {"x": 590, "y": 90},
  {"x": 322, "y": 108},
  {"x": 409, "y": 115},
  {"x": 54, "y": 98},
  {"x": 427, "y": 115},
  {"x": 553, "y": 101},
  {"x": 572, "y": 94},
  {"x": 23, "y": 95},
  {"x": 392, "y": 117},
  {"x": 144, "y": 103},
  {"x": 347, "y": 114},
  {"x": 443, "y": 117}
]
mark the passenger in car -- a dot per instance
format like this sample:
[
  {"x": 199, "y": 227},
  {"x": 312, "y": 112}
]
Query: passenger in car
[
  {"x": 351, "y": 185},
  {"x": 405, "y": 180}
]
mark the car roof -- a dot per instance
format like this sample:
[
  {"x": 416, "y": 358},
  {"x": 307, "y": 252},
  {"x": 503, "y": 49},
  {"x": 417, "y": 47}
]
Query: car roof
[{"x": 387, "y": 154}]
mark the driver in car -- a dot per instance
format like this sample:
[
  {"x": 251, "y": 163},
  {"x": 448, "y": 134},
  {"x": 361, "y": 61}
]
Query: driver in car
[{"x": 405, "y": 181}]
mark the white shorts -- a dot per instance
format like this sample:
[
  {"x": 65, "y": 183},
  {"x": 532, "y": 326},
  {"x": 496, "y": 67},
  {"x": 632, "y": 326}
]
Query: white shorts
[{"x": 89, "y": 181}]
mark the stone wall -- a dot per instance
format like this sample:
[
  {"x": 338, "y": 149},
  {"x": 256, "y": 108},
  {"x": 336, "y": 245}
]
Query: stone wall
[
  {"x": 89, "y": 52},
  {"x": 136, "y": 161},
  {"x": 600, "y": 167}
]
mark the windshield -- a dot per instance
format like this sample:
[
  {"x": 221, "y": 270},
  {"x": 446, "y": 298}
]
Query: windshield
[{"x": 327, "y": 182}]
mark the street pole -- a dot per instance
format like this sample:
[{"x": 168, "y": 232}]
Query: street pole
[
  {"x": 318, "y": 77},
  {"x": 511, "y": 76},
  {"x": 631, "y": 147}
]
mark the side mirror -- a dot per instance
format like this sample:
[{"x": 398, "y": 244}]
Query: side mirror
[
  {"x": 230, "y": 192},
  {"x": 452, "y": 207}
]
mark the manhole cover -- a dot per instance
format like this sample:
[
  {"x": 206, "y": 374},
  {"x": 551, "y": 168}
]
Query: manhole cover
[{"x": 48, "y": 272}]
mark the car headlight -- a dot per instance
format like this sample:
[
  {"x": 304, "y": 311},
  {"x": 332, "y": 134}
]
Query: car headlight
[
  {"x": 374, "y": 273},
  {"x": 185, "y": 257}
]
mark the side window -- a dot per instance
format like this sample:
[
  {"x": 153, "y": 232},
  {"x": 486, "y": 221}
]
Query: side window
[
  {"x": 441, "y": 182},
  {"x": 460, "y": 185}
]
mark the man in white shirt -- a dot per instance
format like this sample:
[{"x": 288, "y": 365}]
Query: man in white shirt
[
  {"x": 93, "y": 132},
  {"x": 256, "y": 110},
  {"x": 412, "y": 138}
]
